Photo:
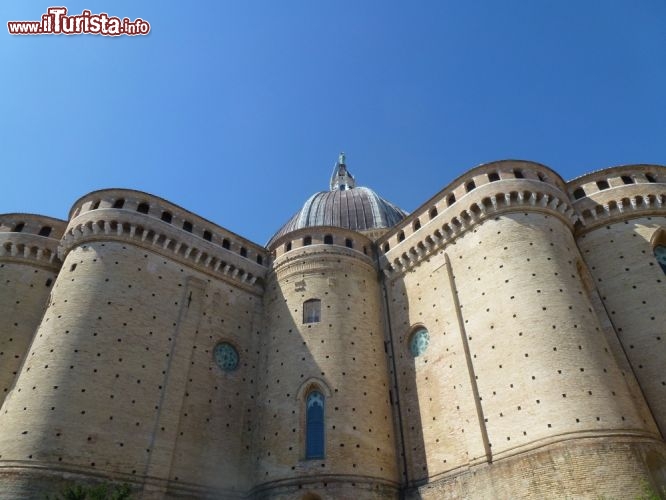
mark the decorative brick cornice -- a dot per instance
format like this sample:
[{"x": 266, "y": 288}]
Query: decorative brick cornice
[
  {"x": 30, "y": 249},
  {"x": 165, "y": 239},
  {"x": 617, "y": 194},
  {"x": 319, "y": 258},
  {"x": 620, "y": 204},
  {"x": 406, "y": 251},
  {"x": 170, "y": 213},
  {"x": 311, "y": 477}
]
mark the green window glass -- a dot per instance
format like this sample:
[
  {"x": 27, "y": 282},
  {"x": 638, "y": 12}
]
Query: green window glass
[
  {"x": 226, "y": 356},
  {"x": 660, "y": 254},
  {"x": 419, "y": 342}
]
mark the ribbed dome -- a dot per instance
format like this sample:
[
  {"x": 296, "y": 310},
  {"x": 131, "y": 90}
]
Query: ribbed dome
[{"x": 347, "y": 206}]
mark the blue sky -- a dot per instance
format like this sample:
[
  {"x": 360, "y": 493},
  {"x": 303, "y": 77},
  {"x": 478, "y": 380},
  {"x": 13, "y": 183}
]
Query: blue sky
[{"x": 238, "y": 110}]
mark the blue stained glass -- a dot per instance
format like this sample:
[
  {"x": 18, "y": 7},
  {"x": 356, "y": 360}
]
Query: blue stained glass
[
  {"x": 660, "y": 254},
  {"x": 226, "y": 357},
  {"x": 419, "y": 342},
  {"x": 314, "y": 439}
]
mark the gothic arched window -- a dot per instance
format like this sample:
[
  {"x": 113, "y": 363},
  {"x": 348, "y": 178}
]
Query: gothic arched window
[
  {"x": 314, "y": 425},
  {"x": 660, "y": 255}
]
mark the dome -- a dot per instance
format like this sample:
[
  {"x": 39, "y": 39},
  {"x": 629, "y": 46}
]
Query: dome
[{"x": 345, "y": 205}]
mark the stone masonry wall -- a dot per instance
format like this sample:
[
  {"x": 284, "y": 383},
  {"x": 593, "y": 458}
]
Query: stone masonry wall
[
  {"x": 631, "y": 284},
  {"x": 105, "y": 386},
  {"x": 342, "y": 356}
]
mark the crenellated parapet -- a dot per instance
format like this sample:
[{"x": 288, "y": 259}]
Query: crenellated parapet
[
  {"x": 618, "y": 193},
  {"x": 167, "y": 229},
  {"x": 480, "y": 194},
  {"x": 31, "y": 238}
]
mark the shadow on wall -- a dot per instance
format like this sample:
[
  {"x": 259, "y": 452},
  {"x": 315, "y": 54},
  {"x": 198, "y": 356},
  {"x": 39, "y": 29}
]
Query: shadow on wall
[
  {"x": 304, "y": 394},
  {"x": 408, "y": 344},
  {"x": 656, "y": 464}
]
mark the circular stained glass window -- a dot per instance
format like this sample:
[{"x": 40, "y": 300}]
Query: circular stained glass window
[
  {"x": 226, "y": 356},
  {"x": 419, "y": 342}
]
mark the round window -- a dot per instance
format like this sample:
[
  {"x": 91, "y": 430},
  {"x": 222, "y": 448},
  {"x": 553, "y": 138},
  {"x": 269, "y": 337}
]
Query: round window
[
  {"x": 226, "y": 356},
  {"x": 419, "y": 342}
]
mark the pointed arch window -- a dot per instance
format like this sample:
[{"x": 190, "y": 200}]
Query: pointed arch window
[
  {"x": 314, "y": 425},
  {"x": 660, "y": 255}
]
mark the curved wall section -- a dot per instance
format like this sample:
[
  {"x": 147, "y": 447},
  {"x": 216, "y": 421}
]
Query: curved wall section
[
  {"x": 543, "y": 367},
  {"x": 339, "y": 353},
  {"x": 107, "y": 388},
  {"x": 624, "y": 212},
  {"x": 517, "y": 358},
  {"x": 28, "y": 268}
]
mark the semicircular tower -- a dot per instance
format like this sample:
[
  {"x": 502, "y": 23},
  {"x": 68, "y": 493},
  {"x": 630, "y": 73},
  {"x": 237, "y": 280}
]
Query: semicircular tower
[
  {"x": 326, "y": 422},
  {"x": 129, "y": 377},
  {"x": 517, "y": 366}
]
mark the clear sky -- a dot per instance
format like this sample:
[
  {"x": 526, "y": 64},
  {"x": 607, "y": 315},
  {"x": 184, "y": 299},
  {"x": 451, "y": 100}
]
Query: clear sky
[{"x": 237, "y": 110}]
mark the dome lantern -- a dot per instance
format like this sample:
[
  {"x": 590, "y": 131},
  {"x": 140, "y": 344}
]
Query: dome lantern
[
  {"x": 342, "y": 179},
  {"x": 345, "y": 205}
]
